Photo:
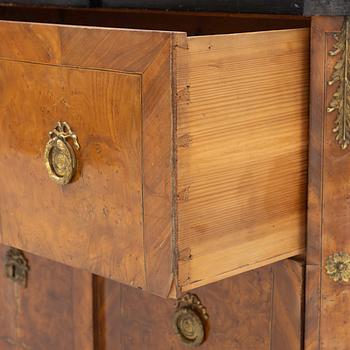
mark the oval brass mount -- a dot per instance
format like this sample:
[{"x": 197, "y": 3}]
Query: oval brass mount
[
  {"x": 338, "y": 267},
  {"x": 60, "y": 158},
  {"x": 190, "y": 320}
]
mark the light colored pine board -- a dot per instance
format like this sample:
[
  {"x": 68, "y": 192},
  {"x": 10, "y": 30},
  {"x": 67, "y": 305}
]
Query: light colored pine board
[{"x": 242, "y": 138}]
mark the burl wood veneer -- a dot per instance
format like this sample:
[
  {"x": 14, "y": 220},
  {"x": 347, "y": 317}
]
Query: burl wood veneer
[
  {"x": 66, "y": 309},
  {"x": 192, "y": 165}
]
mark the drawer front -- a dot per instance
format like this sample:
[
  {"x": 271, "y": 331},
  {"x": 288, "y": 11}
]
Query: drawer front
[
  {"x": 103, "y": 88},
  {"x": 53, "y": 310},
  {"x": 59, "y": 300}
]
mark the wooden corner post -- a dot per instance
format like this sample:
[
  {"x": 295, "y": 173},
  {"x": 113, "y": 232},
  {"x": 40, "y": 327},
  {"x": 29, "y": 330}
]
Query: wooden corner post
[{"x": 328, "y": 262}]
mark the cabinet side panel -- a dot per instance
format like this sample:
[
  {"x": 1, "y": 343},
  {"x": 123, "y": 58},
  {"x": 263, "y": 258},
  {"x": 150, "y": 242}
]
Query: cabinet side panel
[
  {"x": 328, "y": 293},
  {"x": 242, "y": 140}
]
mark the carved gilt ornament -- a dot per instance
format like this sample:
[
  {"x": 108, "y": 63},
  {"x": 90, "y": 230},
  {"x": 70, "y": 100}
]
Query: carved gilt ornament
[{"x": 340, "y": 102}]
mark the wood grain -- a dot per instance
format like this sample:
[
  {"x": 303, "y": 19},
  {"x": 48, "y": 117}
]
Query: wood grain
[
  {"x": 83, "y": 313},
  {"x": 103, "y": 233},
  {"x": 54, "y": 312},
  {"x": 327, "y": 302},
  {"x": 124, "y": 50},
  {"x": 115, "y": 219},
  {"x": 171, "y": 183},
  {"x": 313, "y": 270},
  {"x": 287, "y": 330},
  {"x": 23, "y": 41},
  {"x": 242, "y": 310},
  {"x": 159, "y": 213},
  {"x": 242, "y": 152},
  {"x": 116, "y": 49},
  {"x": 8, "y": 315},
  {"x": 64, "y": 308}
]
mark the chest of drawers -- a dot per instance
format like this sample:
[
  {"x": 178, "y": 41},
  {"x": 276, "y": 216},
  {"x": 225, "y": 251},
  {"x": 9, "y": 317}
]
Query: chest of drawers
[
  {"x": 161, "y": 150},
  {"x": 189, "y": 153}
]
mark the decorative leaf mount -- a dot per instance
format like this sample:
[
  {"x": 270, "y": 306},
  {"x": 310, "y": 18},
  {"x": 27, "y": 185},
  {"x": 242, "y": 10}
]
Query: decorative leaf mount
[{"x": 341, "y": 99}]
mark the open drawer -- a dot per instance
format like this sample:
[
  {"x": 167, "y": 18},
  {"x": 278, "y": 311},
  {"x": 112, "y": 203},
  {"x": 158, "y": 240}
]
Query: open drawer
[{"x": 192, "y": 154}]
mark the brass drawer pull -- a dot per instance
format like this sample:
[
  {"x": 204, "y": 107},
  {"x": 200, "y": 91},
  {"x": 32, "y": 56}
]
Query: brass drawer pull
[
  {"x": 60, "y": 158},
  {"x": 338, "y": 267},
  {"x": 190, "y": 320}
]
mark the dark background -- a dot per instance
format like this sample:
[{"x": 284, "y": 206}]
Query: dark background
[{"x": 291, "y": 7}]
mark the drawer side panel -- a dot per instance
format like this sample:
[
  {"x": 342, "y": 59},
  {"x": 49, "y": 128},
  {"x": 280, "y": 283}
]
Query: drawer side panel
[{"x": 242, "y": 152}]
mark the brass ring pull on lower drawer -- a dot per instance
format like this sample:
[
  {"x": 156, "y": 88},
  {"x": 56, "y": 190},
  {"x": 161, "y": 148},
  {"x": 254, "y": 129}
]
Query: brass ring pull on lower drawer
[
  {"x": 190, "y": 320},
  {"x": 60, "y": 158}
]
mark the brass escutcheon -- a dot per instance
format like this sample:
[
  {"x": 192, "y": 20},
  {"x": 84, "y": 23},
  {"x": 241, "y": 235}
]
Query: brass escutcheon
[
  {"x": 190, "y": 320},
  {"x": 16, "y": 266},
  {"x": 338, "y": 267},
  {"x": 59, "y": 156}
]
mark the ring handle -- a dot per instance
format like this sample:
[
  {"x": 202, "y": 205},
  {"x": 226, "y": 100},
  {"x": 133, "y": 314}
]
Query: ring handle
[
  {"x": 190, "y": 320},
  {"x": 60, "y": 159}
]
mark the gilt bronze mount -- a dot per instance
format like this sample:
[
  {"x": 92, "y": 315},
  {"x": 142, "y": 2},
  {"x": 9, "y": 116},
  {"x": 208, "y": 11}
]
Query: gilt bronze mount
[
  {"x": 341, "y": 75},
  {"x": 16, "y": 266},
  {"x": 60, "y": 158},
  {"x": 338, "y": 267},
  {"x": 190, "y": 320}
]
